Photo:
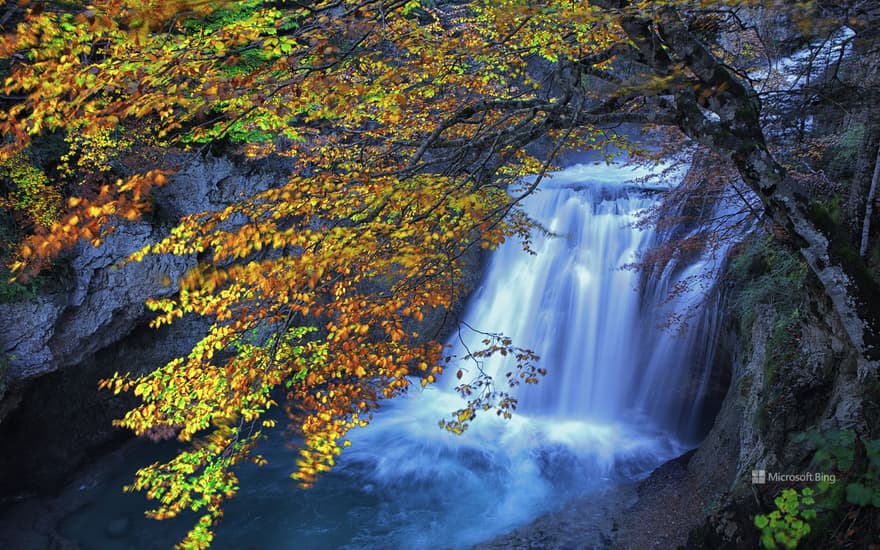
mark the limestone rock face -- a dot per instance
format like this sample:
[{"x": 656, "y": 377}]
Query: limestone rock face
[
  {"x": 97, "y": 303},
  {"x": 817, "y": 389},
  {"x": 91, "y": 321}
]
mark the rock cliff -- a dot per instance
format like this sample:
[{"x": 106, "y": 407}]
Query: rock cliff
[{"x": 91, "y": 321}]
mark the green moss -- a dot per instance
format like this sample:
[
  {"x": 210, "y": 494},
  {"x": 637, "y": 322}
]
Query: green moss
[
  {"x": 763, "y": 272},
  {"x": 749, "y": 147},
  {"x": 782, "y": 346},
  {"x": 745, "y": 111},
  {"x": 827, "y": 215}
]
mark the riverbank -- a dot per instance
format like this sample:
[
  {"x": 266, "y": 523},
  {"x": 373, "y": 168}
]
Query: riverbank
[{"x": 654, "y": 514}]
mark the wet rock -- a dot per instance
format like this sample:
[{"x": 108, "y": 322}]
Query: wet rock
[{"x": 93, "y": 302}]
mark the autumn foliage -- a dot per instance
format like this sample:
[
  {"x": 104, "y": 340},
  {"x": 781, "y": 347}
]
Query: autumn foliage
[{"x": 397, "y": 120}]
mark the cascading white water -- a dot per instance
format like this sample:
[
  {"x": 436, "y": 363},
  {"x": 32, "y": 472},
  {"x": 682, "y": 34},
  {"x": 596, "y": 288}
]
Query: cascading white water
[
  {"x": 571, "y": 302},
  {"x": 608, "y": 410},
  {"x": 596, "y": 331}
]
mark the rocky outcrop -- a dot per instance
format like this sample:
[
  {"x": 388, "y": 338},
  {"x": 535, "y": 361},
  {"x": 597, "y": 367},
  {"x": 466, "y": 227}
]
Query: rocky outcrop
[
  {"x": 97, "y": 303},
  {"x": 62, "y": 421},
  {"x": 775, "y": 392},
  {"x": 91, "y": 322}
]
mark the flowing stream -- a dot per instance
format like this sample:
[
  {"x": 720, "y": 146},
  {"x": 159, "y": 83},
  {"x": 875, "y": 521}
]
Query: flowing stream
[{"x": 621, "y": 396}]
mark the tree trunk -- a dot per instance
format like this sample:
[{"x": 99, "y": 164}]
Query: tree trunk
[
  {"x": 737, "y": 134},
  {"x": 869, "y": 208},
  {"x": 854, "y": 297}
]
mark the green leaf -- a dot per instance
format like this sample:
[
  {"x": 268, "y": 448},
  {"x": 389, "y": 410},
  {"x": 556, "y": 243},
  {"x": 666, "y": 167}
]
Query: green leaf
[
  {"x": 761, "y": 521},
  {"x": 858, "y": 494}
]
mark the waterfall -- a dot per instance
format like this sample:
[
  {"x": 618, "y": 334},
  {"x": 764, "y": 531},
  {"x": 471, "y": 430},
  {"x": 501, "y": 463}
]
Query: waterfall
[
  {"x": 621, "y": 394},
  {"x": 597, "y": 332},
  {"x": 571, "y": 303},
  {"x": 620, "y": 397}
]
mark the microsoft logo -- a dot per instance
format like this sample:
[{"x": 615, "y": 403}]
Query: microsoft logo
[{"x": 760, "y": 477}]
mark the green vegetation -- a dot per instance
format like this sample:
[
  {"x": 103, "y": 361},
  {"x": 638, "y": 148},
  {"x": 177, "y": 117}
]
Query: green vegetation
[
  {"x": 11, "y": 291},
  {"x": 782, "y": 346},
  {"x": 843, "y": 155},
  {"x": 850, "y": 481},
  {"x": 32, "y": 197},
  {"x": 827, "y": 214},
  {"x": 856, "y": 460},
  {"x": 829, "y": 217},
  {"x": 766, "y": 273},
  {"x": 787, "y": 525}
]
